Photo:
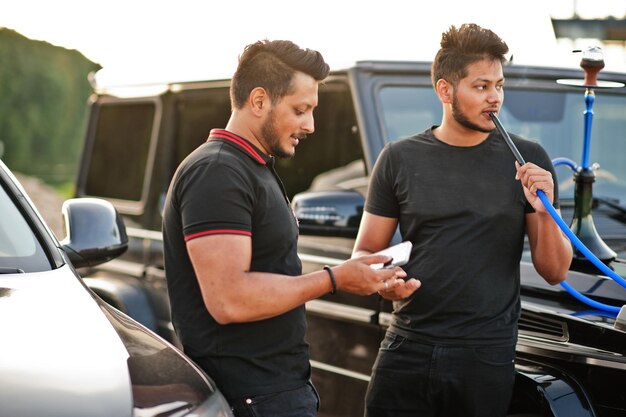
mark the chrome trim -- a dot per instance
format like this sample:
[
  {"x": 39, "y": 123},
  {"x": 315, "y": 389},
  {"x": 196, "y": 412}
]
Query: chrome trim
[
  {"x": 384, "y": 319},
  {"x": 123, "y": 267},
  {"x": 322, "y": 260},
  {"x": 144, "y": 234},
  {"x": 340, "y": 311},
  {"x": 154, "y": 271},
  {"x": 339, "y": 371},
  {"x": 571, "y": 352}
]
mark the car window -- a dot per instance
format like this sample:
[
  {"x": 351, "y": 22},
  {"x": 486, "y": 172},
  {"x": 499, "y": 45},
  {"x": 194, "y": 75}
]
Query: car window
[
  {"x": 197, "y": 112},
  {"x": 553, "y": 118},
  {"x": 407, "y": 110},
  {"x": 19, "y": 246},
  {"x": 122, "y": 143},
  {"x": 331, "y": 157}
]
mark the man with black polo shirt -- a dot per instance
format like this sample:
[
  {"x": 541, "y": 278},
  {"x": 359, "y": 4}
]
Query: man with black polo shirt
[{"x": 230, "y": 241}]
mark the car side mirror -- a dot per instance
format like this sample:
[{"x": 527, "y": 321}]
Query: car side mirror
[
  {"x": 329, "y": 213},
  {"x": 95, "y": 232}
]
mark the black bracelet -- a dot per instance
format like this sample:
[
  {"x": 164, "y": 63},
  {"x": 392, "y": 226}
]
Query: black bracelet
[{"x": 332, "y": 278}]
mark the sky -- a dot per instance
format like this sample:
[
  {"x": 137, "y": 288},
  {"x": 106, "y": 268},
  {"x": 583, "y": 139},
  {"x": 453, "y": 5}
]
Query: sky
[{"x": 146, "y": 41}]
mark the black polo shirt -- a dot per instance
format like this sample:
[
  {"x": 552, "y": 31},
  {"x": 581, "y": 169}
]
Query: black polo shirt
[{"x": 228, "y": 186}]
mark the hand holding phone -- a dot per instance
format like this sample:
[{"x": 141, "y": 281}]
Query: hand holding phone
[{"x": 399, "y": 253}]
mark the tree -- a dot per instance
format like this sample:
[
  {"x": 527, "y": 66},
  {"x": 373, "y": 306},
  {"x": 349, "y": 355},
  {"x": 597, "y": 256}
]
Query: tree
[{"x": 43, "y": 106}]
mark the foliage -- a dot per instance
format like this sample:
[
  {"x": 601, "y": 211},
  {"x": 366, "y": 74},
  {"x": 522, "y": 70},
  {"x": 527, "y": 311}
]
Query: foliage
[{"x": 43, "y": 106}]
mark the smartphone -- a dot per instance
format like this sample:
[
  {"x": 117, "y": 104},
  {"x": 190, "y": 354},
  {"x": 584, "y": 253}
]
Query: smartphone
[{"x": 399, "y": 253}]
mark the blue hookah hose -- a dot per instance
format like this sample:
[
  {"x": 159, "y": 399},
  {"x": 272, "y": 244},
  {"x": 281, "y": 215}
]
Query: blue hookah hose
[
  {"x": 565, "y": 228},
  {"x": 565, "y": 161}
]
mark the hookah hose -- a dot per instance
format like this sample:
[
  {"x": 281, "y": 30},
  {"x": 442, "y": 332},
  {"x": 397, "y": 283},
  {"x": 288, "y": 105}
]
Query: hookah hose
[{"x": 568, "y": 232}]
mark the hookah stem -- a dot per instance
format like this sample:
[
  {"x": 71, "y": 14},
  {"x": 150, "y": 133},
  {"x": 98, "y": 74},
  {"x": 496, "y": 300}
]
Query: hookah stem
[
  {"x": 592, "y": 63},
  {"x": 588, "y": 118}
]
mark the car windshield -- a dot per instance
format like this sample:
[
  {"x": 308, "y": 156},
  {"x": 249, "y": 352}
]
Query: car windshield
[
  {"x": 553, "y": 118},
  {"x": 20, "y": 250}
]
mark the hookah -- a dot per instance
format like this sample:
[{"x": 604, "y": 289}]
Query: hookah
[
  {"x": 588, "y": 245},
  {"x": 582, "y": 224}
]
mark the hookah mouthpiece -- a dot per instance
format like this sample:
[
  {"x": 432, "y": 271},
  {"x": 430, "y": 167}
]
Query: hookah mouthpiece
[{"x": 507, "y": 138}]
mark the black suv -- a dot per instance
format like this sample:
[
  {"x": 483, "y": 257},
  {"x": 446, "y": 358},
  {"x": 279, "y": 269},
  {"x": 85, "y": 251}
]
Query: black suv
[{"x": 570, "y": 356}]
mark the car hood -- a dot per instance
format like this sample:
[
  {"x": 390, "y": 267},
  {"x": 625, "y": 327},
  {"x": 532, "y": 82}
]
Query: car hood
[{"x": 59, "y": 354}]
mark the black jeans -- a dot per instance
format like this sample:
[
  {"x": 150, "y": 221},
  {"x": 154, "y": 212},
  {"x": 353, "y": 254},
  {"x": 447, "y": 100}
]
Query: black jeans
[
  {"x": 416, "y": 379},
  {"x": 300, "y": 402}
]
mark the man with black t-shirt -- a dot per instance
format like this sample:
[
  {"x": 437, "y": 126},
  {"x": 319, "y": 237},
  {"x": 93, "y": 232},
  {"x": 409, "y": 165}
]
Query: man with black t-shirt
[
  {"x": 459, "y": 196},
  {"x": 230, "y": 241}
]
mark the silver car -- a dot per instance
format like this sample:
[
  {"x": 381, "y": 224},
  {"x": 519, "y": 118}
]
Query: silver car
[{"x": 63, "y": 351}]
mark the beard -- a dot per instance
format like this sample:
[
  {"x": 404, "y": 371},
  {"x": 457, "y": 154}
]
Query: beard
[
  {"x": 462, "y": 119},
  {"x": 272, "y": 138}
]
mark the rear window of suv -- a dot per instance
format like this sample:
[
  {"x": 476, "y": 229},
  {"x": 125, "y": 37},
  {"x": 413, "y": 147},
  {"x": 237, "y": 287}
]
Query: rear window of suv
[
  {"x": 121, "y": 148},
  {"x": 554, "y": 118}
]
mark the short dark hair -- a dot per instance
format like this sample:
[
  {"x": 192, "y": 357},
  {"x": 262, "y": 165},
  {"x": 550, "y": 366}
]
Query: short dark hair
[
  {"x": 272, "y": 65},
  {"x": 464, "y": 46}
]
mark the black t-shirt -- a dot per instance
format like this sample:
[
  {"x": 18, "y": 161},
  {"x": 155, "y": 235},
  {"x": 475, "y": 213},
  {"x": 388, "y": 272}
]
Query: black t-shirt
[
  {"x": 464, "y": 211},
  {"x": 228, "y": 186}
]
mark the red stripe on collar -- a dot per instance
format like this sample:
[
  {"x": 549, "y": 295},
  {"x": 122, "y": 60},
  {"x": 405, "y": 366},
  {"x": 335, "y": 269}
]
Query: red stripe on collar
[{"x": 231, "y": 137}]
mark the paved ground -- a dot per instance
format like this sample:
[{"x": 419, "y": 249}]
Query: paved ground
[{"x": 47, "y": 200}]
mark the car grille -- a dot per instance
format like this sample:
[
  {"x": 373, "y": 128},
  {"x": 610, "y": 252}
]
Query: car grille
[{"x": 536, "y": 325}]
